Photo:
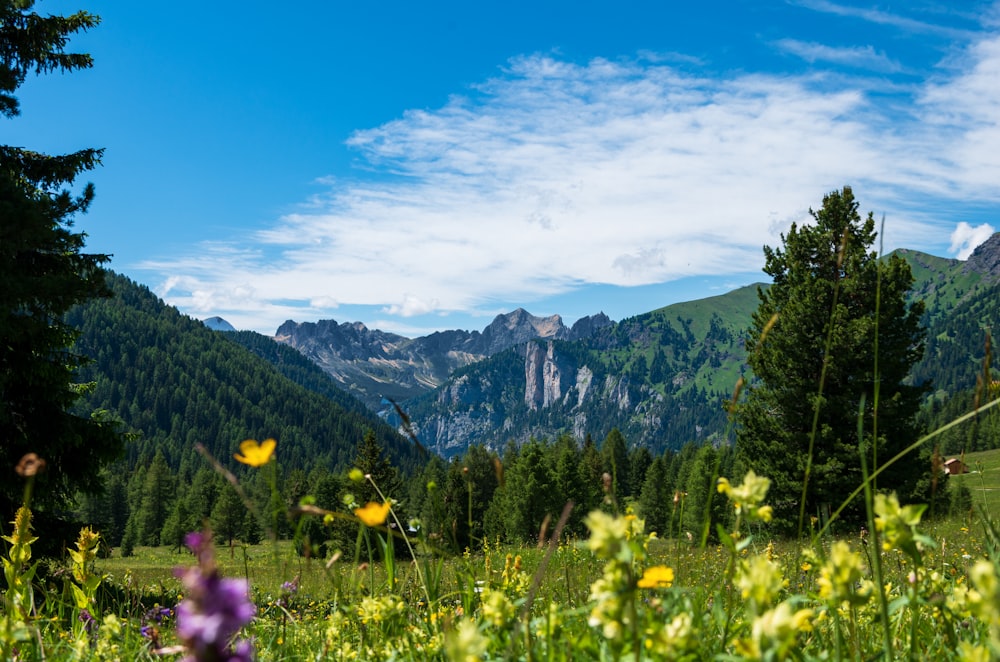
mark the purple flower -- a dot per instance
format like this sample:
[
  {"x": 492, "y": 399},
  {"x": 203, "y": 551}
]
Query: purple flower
[
  {"x": 288, "y": 591},
  {"x": 214, "y": 609},
  {"x": 157, "y": 614},
  {"x": 88, "y": 620}
]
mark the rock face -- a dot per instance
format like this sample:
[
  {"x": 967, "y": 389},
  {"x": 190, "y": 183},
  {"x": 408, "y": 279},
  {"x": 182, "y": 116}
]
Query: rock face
[
  {"x": 542, "y": 376},
  {"x": 985, "y": 259},
  {"x": 543, "y": 390},
  {"x": 375, "y": 365}
]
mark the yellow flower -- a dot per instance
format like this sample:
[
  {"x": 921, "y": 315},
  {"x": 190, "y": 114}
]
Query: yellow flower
[
  {"x": 254, "y": 454},
  {"x": 373, "y": 514},
  {"x": 658, "y": 576},
  {"x": 840, "y": 578},
  {"x": 760, "y": 581},
  {"x": 746, "y": 498}
]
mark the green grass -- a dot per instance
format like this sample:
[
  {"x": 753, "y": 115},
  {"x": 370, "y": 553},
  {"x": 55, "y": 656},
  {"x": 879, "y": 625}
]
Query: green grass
[{"x": 983, "y": 480}]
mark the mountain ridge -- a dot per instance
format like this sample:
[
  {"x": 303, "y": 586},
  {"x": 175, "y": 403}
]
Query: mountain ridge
[
  {"x": 378, "y": 365},
  {"x": 659, "y": 376}
]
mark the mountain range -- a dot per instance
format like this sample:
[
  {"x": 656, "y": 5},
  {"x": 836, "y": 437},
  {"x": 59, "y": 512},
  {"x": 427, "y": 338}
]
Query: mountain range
[
  {"x": 661, "y": 377},
  {"x": 377, "y": 366}
]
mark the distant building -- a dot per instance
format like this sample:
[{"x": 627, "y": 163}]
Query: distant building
[{"x": 955, "y": 466}]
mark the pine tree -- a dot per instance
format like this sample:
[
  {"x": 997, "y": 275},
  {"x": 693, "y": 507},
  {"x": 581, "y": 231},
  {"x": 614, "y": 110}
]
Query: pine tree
[
  {"x": 372, "y": 462},
  {"x": 528, "y": 494},
  {"x": 228, "y": 515},
  {"x": 654, "y": 499},
  {"x": 821, "y": 354},
  {"x": 616, "y": 464},
  {"x": 44, "y": 273},
  {"x": 158, "y": 496}
]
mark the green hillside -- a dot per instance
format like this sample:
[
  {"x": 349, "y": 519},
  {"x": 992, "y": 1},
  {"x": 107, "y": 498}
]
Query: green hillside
[
  {"x": 175, "y": 383},
  {"x": 983, "y": 480}
]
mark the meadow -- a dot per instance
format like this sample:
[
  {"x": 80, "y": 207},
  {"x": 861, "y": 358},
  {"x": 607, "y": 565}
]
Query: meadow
[{"x": 905, "y": 587}]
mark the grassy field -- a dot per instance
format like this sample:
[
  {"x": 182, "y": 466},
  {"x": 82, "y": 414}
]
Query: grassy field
[
  {"x": 983, "y": 480},
  {"x": 914, "y": 588}
]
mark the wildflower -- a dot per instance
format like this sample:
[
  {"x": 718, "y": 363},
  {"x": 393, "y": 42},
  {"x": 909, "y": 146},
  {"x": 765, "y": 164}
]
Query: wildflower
[
  {"x": 658, "y": 576},
  {"x": 608, "y": 594},
  {"x": 840, "y": 577},
  {"x": 214, "y": 609},
  {"x": 29, "y": 465},
  {"x": 108, "y": 647},
  {"x": 899, "y": 525},
  {"x": 775, "y": 633},
  {"x": 385, "y": 609},
  {"x": 84, "y": 554},
  {"x": 497, "y": 609},
  {"x": 254, "y": 454},
  {"x": 19, "y": 597},
  {"x": 607, "y": 534},
  {"x": 968, "y": 652},
  {"x": 760, "y": 582},
  {"x": 88, "y": 620},
  {"x": 748, "y": 496},
  {"x": 373, "y": 514},
  {"x": 465, "y": 643},
  {"x": 672, "y": 640},
  {"x": 288, "y": 591}
]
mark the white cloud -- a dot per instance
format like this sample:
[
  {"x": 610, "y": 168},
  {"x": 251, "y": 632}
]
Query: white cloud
[
  {"x": 555, "y": 175},
  {"x": 881, "y": 17},
  {"x": 855, "y": 56},
  {"x": 412, "y": 306},
  {"x": 966, "y": 238}
]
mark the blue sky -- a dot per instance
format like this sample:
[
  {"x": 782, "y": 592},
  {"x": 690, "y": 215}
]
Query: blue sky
[{"x": 424, "y": 166}]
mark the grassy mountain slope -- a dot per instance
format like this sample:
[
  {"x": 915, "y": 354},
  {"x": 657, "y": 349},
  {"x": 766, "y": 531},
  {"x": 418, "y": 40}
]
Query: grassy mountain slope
[{"x": 663, "y": 377}]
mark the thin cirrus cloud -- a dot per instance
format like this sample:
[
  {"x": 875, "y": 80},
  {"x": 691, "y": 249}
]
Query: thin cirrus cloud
[
  {"x": 881, "y": 17},
  {"x": 856, "y": 56},
  {"x": 555, "y": 175}
]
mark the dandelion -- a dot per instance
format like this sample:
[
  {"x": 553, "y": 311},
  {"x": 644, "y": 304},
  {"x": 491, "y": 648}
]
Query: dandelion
[
  {"x": 658, "y": 576},
  {"x": 373, "y": 514},
  {"x": 254, "y": 454}
]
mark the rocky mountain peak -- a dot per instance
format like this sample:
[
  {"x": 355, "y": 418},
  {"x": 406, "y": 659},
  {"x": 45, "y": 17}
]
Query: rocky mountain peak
[
  {"x": 589, "y": 325},
  {"x": 520, "y": 326},
  {"x": 986, "y": 258},
  {"x": 377, "y": 364}
]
